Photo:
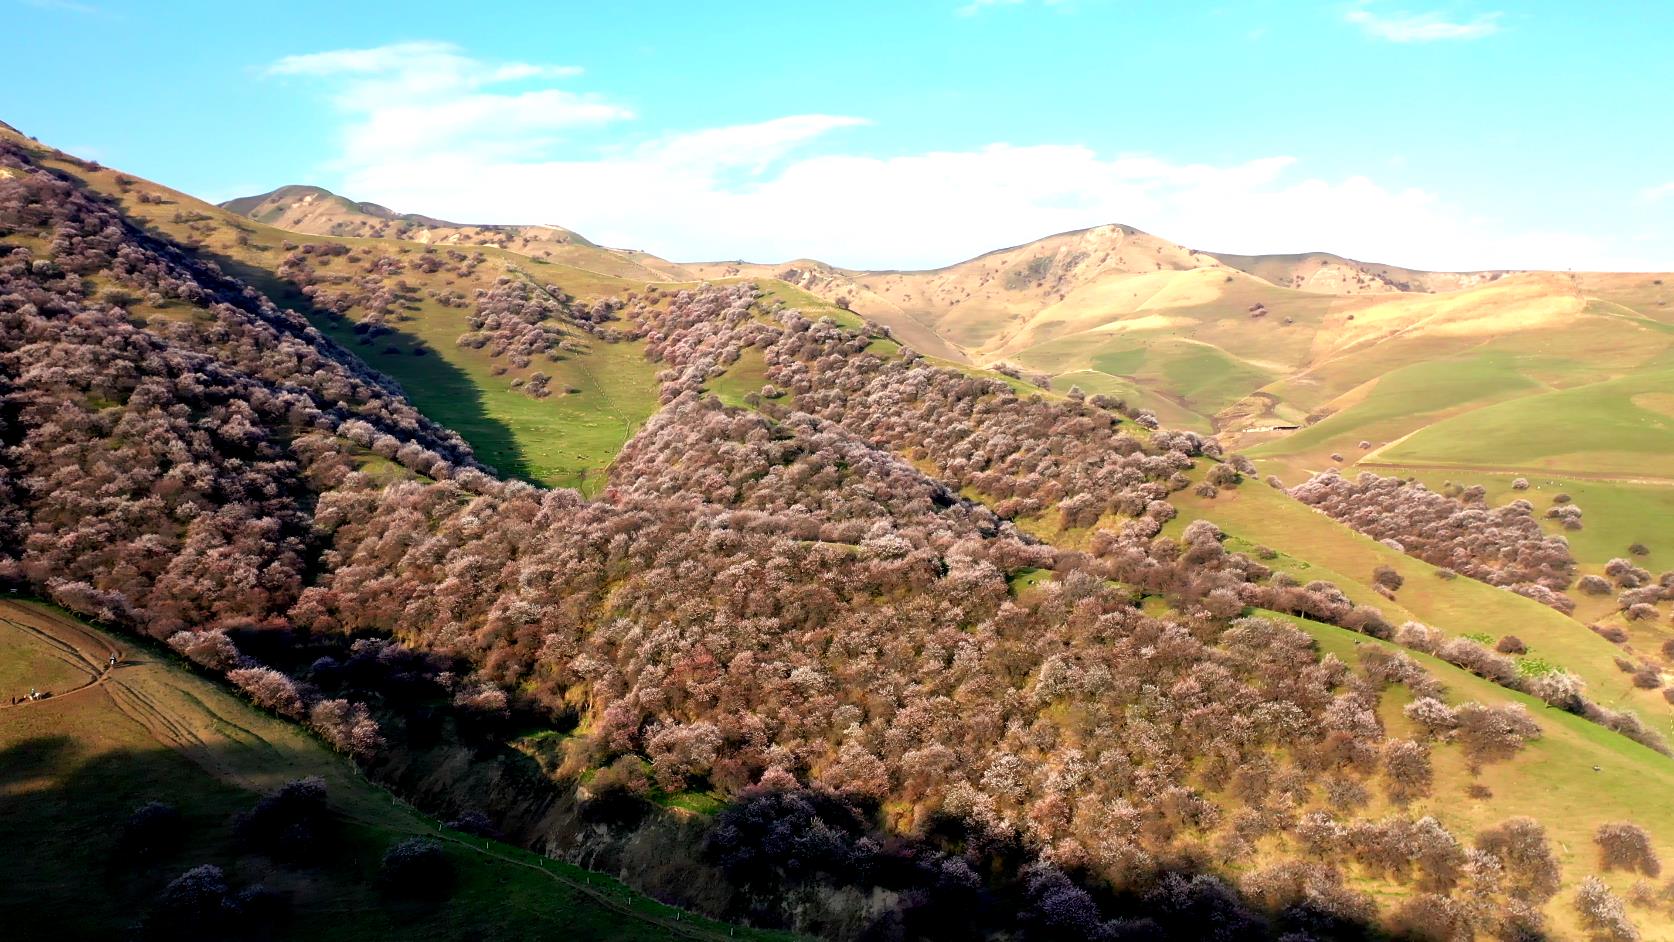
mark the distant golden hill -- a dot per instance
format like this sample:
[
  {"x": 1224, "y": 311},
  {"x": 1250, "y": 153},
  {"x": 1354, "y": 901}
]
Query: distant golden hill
[
  {"x": 1256, "y": 347},
  {"x": 1326, "y": 273},
  {"x": 317, "y": 211}
]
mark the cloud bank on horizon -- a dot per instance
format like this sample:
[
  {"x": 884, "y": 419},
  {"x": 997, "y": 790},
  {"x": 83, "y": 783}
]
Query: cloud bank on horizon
[{"x": 428, "y": 127}]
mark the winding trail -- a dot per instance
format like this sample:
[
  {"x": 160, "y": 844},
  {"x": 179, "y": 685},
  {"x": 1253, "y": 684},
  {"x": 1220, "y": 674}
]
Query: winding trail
[{"x": 70, "y": 644}]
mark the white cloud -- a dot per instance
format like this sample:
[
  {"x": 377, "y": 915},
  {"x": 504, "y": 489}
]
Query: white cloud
[
  {"x": 415, "y": 96},
  {"x": 739, "y": 193},
  {"x": 1654, "y": 193},
  {"x": 1404, "y": 27},
  {"x": 787, "y": 188}
]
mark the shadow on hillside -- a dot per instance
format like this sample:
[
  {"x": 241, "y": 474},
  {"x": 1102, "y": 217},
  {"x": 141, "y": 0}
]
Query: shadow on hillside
[
  {"x": 789, "y": 860},
  {"x": 70, "y": 870},
  {"x": 444, "y": 393},
  {"x": 962, "y": 882},
  {"x": 76, "y": 870}
]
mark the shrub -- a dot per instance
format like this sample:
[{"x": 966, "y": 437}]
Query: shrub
[
  {"x": 199, "y": 904},
  {"x": 1602, "y": 913},
  {"x": 1531, "y": 870},
  {"x": 293, "y": 824},
  {"x": 348, "y": 727},
  {"x": 1554, "y": 686},
  {"x": 1494, "y": 734},
  {"x": 1610, "y": 633},
  {"x": 1624, "y": 845},
  {"x": 475, "y": 823},
  {"x": 1626, "y": 574},
  {"x": 211, "y": 649},
  {"x": 1406, "y": 765},
  {"x": 196, "y": 903},
  {"x": 1472, "y": 656},
  {"x": 268, "y": 689},
  {"x": 617, "y": 793},
  {"x": 1419, "y": 637},
  {"x": 1593, "y": 585},
  {"x": 1436, "y": 718},
  {"x": 417, "y": 868},
  {"x": 152, "y": 828},
  {"x": 1223, "y": 475}
]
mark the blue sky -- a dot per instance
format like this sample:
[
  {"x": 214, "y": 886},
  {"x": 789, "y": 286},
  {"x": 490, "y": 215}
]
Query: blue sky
[{"x": 1422, "y": 132}]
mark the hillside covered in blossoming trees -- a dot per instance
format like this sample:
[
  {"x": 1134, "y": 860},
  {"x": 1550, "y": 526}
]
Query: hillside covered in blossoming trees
[{"x": 795, "y": 626}]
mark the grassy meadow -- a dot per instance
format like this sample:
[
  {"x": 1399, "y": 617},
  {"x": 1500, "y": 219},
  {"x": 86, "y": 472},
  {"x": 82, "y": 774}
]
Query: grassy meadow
[
  {"x": 72, "y": 768},
  {"x": 1574, "y": 777},
  {"x": 1312, "y": 546}
]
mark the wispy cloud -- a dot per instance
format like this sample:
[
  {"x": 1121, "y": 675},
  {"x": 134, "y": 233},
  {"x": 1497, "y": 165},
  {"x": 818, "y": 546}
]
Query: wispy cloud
[
  {"x": 1404, "y": 27},
  {"x": 442, "y": 59},
  {"x": 1662, "y": 192},
  {"x": 421, "y": 96},
  {"x": 977, "y": 6}
]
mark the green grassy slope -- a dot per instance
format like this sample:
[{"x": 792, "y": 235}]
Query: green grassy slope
[
  {"x": 1400, "y": 399},
  {"x": 1410, "y": 381},
  {"x": 1617, "y": 513},
  {"x": 742, "y": 378},
  {"x": 1623, "y": 426},
  {"x": 567, "y": 439},
  {"x": 73, "y": 767},
  {"x": 1316, "y": 547},
  {"x": 1574, "y": 777}
]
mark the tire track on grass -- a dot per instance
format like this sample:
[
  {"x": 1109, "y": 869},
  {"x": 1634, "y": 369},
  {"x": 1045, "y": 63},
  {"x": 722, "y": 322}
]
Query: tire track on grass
[{"x": 67, "y": 653}]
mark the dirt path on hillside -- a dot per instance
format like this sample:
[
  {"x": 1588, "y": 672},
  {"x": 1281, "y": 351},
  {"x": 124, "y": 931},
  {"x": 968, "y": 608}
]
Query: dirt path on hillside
[{"x": 66, "y": 642}]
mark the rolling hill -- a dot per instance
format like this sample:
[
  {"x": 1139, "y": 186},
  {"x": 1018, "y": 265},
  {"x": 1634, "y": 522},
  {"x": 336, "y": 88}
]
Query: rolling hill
[
  {"x": 1325, "y": 273},
  {"x": 316, "y": 211},
  {"x": 1246, "y": 345},
  {"x": 592, "y": 411},
  {"x": 833, "y": 633},
  {"x": 1309, "y": 362},
  {"x": 1313, "y": 361}
]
